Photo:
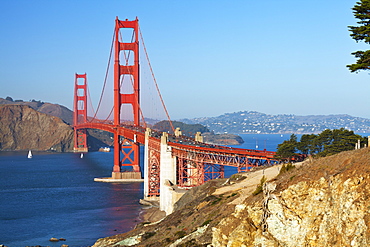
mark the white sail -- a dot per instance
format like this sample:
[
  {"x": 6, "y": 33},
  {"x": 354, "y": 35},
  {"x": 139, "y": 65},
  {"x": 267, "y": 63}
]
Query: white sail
[
  {"x": 29, "y": 154},
  {"x": 82, "y": 155}
]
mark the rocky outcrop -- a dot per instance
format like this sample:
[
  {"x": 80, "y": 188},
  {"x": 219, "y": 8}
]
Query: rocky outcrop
[
  {"x": 23, "y": 128},
  {"x": 324, "y": 202},
  {"x": 329, "y": 212},
  {"x": 222, "y": 139},
  {"x": 57, "y": 111},
  {"x": 48, "y": 108}
]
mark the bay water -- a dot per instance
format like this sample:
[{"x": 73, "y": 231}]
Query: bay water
[{"x": 54, "y": 195}]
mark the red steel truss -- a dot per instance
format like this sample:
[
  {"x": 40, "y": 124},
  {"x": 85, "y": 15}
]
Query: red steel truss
[
  {"x": 199, "y": 164},
  {"x": 154, "y": 167},
  {"x": 212, "y": 171}
]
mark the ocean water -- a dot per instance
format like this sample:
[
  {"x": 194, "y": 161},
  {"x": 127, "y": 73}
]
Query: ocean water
[
  {"x": 258, "y": 142},
  {"x": 54, "y": 195},
  {"x": 263, "y": 141}
]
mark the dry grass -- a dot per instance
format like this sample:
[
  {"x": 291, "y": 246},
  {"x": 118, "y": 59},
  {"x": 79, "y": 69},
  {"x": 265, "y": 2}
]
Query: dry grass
[{"x": 346, "y": 163}]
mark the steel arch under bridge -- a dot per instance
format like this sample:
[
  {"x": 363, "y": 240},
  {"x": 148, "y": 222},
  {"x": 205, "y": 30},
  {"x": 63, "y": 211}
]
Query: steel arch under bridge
[{"x": 196, "y": 165}]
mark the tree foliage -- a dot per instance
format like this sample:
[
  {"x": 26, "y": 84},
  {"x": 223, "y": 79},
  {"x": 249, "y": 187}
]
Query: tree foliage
[
  {"x": 361, "y": 11},
  {"x": 9, "y": 98},
  {"x": 326, "y": 143},
  {"x": 287, "y": 149}
]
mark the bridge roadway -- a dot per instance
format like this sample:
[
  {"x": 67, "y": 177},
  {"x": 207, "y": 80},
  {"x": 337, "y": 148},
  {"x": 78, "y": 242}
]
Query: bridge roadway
[{"x": 183, "y": 145}]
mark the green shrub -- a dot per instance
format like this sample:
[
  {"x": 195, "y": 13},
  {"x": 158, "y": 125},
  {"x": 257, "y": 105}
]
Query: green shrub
[
  {"x": 147, "y": 235},
  {"x": 286, "y": 167},
  {"x": 233, "y": 194},
  {"x": 214, "y": 199},
  {"x": 237, "y": 177},
  {"x": 260, "y": 186},
  {"x": 180, "y": 234},
  {"x": 206, "y": 222}
]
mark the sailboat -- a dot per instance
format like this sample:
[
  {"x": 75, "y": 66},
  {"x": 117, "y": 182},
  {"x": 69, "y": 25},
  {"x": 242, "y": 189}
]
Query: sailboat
[
  {"x": 82, "y": 155},
  {"x": 29, "y": 154}
]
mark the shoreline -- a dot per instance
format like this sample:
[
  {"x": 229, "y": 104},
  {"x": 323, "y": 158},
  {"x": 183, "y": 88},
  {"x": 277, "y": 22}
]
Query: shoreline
[{"x": 150, "y": 212}]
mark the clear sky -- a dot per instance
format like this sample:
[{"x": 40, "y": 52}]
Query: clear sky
[{"x": 209, "y": 56}]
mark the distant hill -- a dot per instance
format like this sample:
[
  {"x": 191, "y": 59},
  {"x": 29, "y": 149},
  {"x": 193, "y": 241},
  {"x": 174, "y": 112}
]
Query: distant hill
[
  {"x": 23, "y": 128},
  {"x": 51, "y": 109},
  {"x": 252, "y": 122},
  {"x": 43, "y": 126},
  {"x": 191, "y": 129},
  {"x": 187, "y": 129},
  {"x": 243, "y": 122}
]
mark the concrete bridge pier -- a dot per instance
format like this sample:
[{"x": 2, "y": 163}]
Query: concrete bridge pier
[
  {"x": 167, "y": 176},
  {"x": 81, "y": 150},
  {"x": 169, "y": 193},
  {"x": 148, "y": 133}
]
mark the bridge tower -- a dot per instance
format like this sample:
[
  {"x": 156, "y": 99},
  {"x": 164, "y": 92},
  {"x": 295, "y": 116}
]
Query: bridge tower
[
  {"x": 80, "y": 112},
  {"x": 126, "y": 152}
]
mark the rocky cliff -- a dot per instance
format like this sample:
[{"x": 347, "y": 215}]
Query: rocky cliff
[
  {"x": 323, "y": 202},
  {"x": 23, "y": 128},
  {"x": 222, "y": 139},
  {"x": 48, "y": 108}
]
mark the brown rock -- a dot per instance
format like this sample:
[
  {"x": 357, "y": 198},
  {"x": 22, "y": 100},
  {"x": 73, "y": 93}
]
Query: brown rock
[
  {"x": 23, "y": 128},
  {"x": 54, "y": 240}
]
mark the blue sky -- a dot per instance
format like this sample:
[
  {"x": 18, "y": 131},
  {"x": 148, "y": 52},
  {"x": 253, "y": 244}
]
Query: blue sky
[{"x": 209, "y": 57}]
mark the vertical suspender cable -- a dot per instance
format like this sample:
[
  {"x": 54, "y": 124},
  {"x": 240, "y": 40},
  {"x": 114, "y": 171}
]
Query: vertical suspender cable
[
  {"x": 90, "y": 103},
  {"x": 155, "y": 82}
]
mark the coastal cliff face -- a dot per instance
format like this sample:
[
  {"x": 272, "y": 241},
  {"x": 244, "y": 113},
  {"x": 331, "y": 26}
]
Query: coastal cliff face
[
  {"x": 51, "y": 109},
  {"x": 23, "y": 128},
  {"x": 323, "y": 202},
  {"x": 328, "y": 212}
]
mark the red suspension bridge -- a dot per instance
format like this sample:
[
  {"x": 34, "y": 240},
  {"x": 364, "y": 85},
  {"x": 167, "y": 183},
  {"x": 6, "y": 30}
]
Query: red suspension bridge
[{"x": 173, "y": 158}]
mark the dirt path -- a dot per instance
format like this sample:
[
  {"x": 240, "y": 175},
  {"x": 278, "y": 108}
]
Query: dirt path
[{"x": 246, "y": 187}]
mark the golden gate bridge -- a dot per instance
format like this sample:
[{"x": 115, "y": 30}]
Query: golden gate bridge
[{"x": 168, "y": 158}]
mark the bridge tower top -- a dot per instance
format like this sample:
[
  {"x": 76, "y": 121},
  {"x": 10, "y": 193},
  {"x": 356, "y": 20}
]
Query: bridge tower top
[
  {"x": 122, "y": 70},
  {"x": 80, "y": 99}
]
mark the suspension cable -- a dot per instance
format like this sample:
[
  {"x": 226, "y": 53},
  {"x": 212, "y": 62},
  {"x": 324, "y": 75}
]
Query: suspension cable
[
  {"x": 155, "y": 81},
  {"x": 110, "y": 113},
  {"x": 106, "y": 75}
]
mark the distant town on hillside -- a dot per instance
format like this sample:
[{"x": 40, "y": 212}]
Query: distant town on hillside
[
  {"x": 243, "y": 122},
  {"x": 252, "y": 122}
]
